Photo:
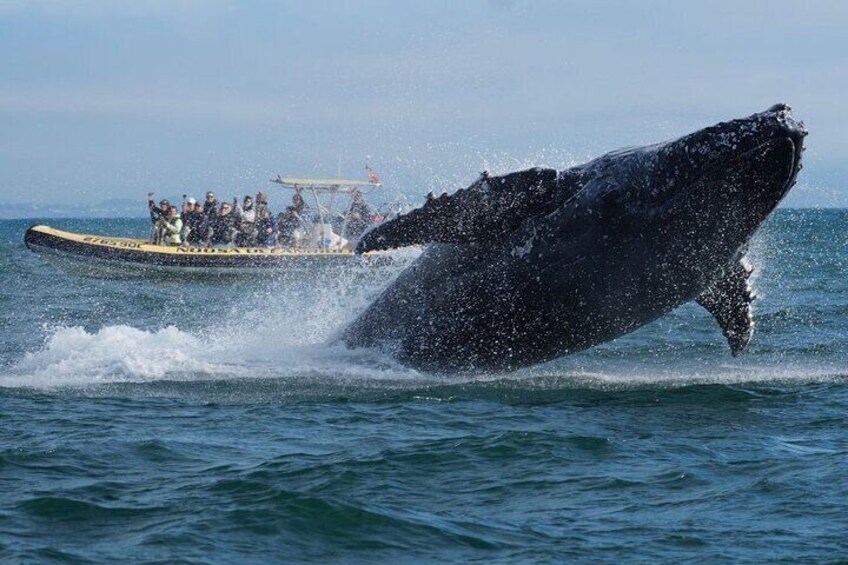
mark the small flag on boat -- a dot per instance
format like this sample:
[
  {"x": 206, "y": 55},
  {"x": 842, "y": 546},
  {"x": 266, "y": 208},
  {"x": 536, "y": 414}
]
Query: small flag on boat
[{"x": 372, "y": 176}]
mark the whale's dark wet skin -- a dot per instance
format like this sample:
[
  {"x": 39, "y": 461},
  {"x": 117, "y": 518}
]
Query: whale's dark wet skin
[{"x": 533, "y": 265}]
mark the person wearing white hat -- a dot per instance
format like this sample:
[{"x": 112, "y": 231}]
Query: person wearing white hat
[
  {"x": 192, "y": 222},
  {"x": 188, "y": 204}
]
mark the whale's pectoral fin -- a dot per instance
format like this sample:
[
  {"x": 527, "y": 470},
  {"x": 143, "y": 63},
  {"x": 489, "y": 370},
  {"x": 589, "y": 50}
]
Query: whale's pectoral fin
[
  {"x": 729, "y": 301},
  {"x": 489, "y": 209}
]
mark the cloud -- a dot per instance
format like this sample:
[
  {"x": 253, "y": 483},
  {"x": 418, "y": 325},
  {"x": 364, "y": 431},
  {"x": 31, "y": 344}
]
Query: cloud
[
  {"x": 513, "y": 76},
  {"x": 143, "y": 104},
  {"x": 99, "y": 8}
]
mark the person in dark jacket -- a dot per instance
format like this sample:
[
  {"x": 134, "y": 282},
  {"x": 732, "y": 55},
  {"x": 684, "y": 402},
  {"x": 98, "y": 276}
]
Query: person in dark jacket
[
  {"x": 193, "y": 222},
  {"x": 157, "y": 213},
  {"x": 222, "y": 226},
  {"x": 291, "y": 223},
  {"x": 358, "y": 217},
  {"x": 266, "y": 229},
  {"x": 210, "y": 206}
]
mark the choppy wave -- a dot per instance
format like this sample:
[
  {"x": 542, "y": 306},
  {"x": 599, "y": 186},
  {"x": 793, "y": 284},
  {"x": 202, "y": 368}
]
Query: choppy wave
[
  {"x": 218, "y": 423},
  {"x": 123, "y": 354},
  {"x": 114, "y": 355},
  {"x": 99, "y": 332}
]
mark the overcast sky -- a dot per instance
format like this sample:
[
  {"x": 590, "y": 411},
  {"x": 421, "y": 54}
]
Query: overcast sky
[{"x": 110, "y": 99}]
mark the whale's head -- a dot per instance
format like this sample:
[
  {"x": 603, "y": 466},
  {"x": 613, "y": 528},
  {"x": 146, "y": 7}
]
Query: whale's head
[
  {"x": 707, "y": 191},
  {"x": 724, "y": 181}
]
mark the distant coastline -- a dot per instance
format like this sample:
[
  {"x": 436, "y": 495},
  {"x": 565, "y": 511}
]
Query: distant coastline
[
  {"x": 118, "y": 208},
  {"x": 135, "y": 211}
]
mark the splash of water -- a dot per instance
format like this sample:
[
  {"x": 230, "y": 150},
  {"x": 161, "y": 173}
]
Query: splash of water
[{"x": 283, "y": 328}]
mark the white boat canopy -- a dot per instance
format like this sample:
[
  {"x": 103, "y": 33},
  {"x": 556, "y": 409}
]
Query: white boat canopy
[{"x": 324, "y": 185}]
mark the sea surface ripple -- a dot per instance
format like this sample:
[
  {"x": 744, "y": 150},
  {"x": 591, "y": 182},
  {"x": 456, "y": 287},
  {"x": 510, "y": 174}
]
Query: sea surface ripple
[{"x": 204, "y": 422}]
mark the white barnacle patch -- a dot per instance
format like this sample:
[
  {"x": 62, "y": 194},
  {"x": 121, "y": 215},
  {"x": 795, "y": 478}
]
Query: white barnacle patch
[
  {"x": 486, "y": 190},
  {"x": 521, "y": 251}
]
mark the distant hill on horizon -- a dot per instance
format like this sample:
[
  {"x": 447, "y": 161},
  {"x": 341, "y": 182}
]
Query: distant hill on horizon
[
  {"x": 130, "y": 209},
  {"x": 114, "y": 208}
]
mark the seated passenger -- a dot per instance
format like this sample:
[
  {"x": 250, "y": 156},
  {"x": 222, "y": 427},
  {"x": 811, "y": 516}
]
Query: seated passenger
[
  {"x": 285, "y": 229},
  {"x": 203, "y": 232},
  {"x": 266, "y": 229},
  {"x": 156, "y": 213},
  {"x": 193, "y": 221},
  {"x": 246, "y": 223},
  {"x": 298, "y": 203},
  {"x": 291, "y": 224},
  {"x": 222, "y": 226},
  {"x": 170, "y": 227},
  {"x": 358, "y": 217},
  {"x": 262, "y": 202},
  {"x": 210, "y": 206}
]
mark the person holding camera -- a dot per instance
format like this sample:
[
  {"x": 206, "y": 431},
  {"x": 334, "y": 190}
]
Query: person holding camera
[
  {"x": 170, "y": 227},
  {"x": 157, "y": 213}
]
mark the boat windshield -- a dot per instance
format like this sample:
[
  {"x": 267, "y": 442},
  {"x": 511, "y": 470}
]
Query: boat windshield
[{"x": 326, "y": 213}]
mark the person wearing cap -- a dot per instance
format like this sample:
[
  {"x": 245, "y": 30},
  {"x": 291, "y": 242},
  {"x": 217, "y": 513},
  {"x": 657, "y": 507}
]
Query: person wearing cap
[
  {"x": 156, "y": 214},
  {"x": 192, "y": 222},
  {"x": 188, "y": 205}
]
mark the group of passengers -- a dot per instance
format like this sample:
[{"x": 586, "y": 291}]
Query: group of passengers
[{"x": 247, "y": 224}]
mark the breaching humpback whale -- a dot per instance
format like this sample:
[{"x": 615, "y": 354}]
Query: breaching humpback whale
[{"x": 532, "y": 265}]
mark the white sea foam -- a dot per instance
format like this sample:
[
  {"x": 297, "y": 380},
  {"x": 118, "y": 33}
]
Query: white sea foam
[
  {"x": 122, "y": 354},
  {"x": 73, "y": 357},
  {"x": 675, "y": 373},
  {"x": 284, "y": 329}
]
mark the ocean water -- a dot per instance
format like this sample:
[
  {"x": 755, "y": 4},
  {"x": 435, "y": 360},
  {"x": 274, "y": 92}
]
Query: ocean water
[{"x": 215, "y": 422}]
